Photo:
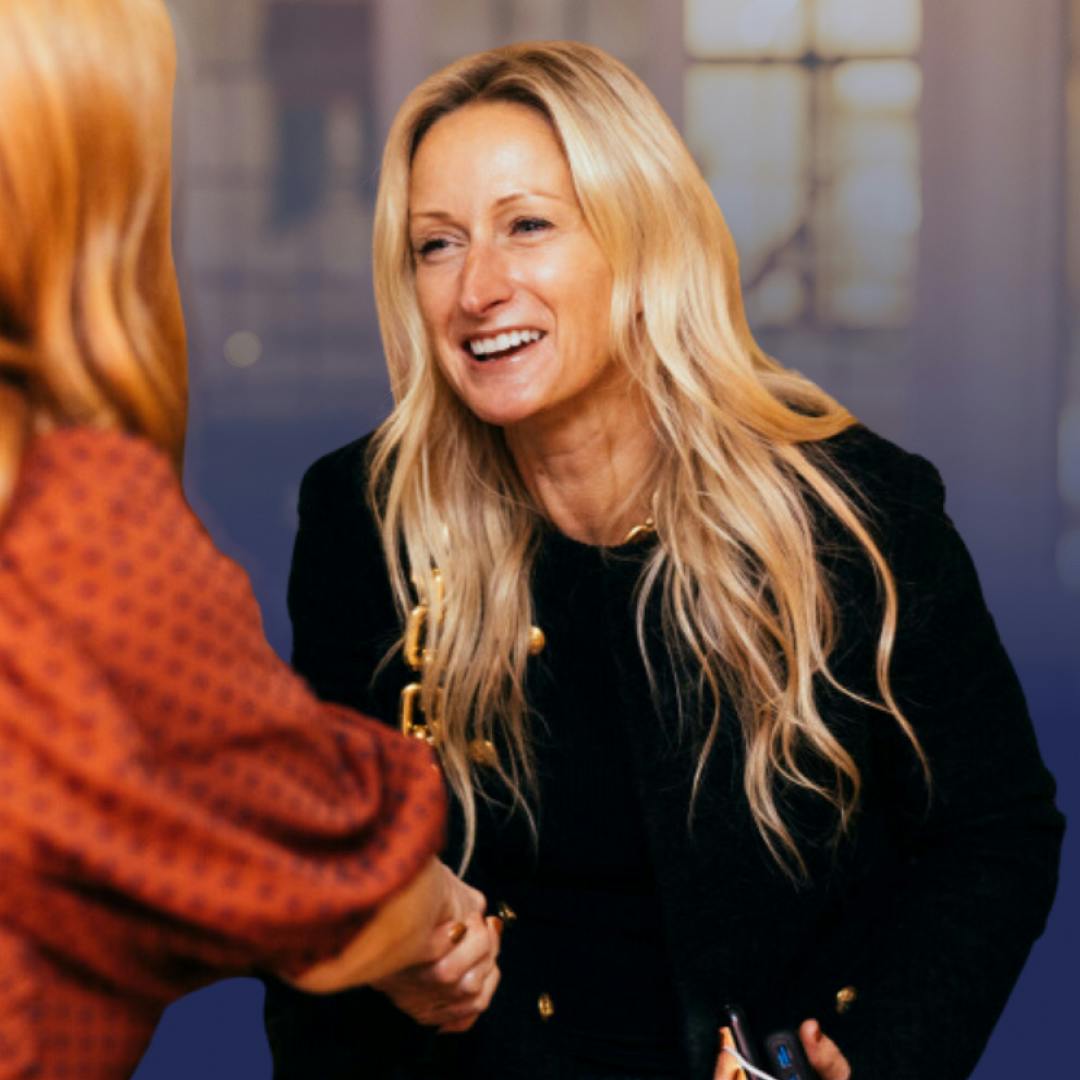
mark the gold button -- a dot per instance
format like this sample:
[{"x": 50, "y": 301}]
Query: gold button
[
  {"x": 506, "y": 912},
  {"x": 845, "y": 998},
  {"x": 537, "y": 640},
  {"x": 545, "y": 1006}
]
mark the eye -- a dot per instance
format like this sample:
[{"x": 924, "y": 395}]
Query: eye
[
  {"x": 530, "y": 225},
  {"x": 426, "y": 248}
]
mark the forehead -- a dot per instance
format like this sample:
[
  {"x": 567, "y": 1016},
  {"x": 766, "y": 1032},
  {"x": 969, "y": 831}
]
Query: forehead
[{"x": 488, "y": 150}]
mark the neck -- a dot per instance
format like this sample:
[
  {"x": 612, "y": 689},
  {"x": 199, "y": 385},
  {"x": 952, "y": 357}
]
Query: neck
[{"x": 588, "y": 468}]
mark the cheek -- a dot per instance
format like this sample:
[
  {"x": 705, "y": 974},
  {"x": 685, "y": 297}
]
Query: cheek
[
  {"x": 433, "y": 300},
  {"x": 591, "y": 307}
]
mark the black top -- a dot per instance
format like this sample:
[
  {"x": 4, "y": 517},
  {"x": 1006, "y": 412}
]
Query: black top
[
  {"x": 928, "y": 909},
  {"x": 584, "y": 889}
]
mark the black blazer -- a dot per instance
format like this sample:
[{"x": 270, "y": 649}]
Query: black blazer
[{"x": 928, "y": 909}]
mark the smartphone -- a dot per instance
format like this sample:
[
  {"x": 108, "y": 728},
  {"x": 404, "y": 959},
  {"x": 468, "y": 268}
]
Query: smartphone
[
  {"x": 785, "y": 1057},
  {"x": 779, "y": 1054}
]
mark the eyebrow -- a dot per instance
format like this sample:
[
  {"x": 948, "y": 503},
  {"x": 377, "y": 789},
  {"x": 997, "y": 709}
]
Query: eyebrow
[{"x": 503, "y": 200}]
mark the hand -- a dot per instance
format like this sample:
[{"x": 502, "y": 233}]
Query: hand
[
  {"x": 727, "y": 1068},
  {"x": 401, "y": 934},
  {"x": 824, "y": 1055},
  {"x": 455, "y": 986},
  {"x": 456, "y": 904}
]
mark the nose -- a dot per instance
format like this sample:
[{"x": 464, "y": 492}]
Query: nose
[{"x": 485, "y": 281}]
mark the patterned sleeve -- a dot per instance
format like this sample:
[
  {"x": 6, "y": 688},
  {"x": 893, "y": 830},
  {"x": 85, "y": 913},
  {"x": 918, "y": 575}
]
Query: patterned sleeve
[{"x": 178, "y": 804}]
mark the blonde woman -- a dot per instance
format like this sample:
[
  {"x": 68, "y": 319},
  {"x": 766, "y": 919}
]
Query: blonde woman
[
  {"x": 707, "y": 668},
  {"x": 175, "y": 805}
]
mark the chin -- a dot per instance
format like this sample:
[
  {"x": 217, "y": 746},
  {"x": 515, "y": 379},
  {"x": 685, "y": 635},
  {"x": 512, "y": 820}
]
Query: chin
[{"x": 502, "y": 414}]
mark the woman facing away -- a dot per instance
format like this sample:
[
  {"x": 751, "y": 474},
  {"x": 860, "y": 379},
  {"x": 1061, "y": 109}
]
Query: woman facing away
[
  {"x": 707, "y": 667},
  {"x": 175, "y": 805}
]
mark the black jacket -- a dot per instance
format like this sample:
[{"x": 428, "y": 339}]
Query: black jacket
[{"x": 928, "y": 909}]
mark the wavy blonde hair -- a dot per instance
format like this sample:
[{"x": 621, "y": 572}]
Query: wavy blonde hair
[
  {"x": 91, "y": 328},
  {"x": 745, "y": 602}
]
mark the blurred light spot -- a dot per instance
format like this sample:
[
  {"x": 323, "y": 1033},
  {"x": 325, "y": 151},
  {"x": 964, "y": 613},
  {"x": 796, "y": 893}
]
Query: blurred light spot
[
  {"x": 1069, "y": 455},
  {"x": 885, "y": 85},
  {"x": 243, "y": 349},
  {"x": 1068, "y": 558}
]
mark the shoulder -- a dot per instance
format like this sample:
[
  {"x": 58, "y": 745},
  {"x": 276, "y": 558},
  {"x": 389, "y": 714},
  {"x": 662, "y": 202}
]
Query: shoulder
[
  {"x": 86, "y": 481},
  {"x": 890, "y": 486},
  {"x": 337, "y": 523},
  {"x": 337, "y": 481},
  {"x": 99, "y": 530}
]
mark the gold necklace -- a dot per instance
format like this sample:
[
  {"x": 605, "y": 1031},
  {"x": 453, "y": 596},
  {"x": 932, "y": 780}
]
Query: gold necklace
[{"x": 643, "y": 528}]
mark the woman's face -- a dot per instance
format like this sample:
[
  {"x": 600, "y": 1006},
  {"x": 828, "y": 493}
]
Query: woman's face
[{"x": 514, "y": 291}]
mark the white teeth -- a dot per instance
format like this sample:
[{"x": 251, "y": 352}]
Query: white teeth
[{"x": 502, "y": 342}]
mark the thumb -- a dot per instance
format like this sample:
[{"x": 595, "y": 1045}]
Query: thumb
[
  {"x": 727, "y": 1067},
  {"x": 824, "y": 1055}
]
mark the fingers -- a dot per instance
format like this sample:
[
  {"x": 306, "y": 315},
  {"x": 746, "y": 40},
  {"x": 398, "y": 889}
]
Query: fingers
[
  {"x": 442, "y": 940},
  {"x": 463, "y": 1016},
  {"x": 727, "y": 1068},
  {"x": 474, "y": 955},
  {"x": 454, "y": 985},
  {"x": 824, "y": 1055}
]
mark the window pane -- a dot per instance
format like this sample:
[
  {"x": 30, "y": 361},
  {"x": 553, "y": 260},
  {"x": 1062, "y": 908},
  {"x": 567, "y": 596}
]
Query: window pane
[
  {"x": 877, "y": 86},
  {"x": 869, "y": 206},
  {"x": 875, "y": 26},
  {"x": 866, "y": 226},
  {"x": 747, "y": 129},
  {"x": 745, "y": 27}
]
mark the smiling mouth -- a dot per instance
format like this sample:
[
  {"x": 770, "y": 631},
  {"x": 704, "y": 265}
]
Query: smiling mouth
[{"x": 501, "y": 346}]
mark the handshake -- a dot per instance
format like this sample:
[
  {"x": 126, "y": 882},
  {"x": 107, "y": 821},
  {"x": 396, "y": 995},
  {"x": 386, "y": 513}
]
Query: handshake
[{"x": 430, "y": 949}]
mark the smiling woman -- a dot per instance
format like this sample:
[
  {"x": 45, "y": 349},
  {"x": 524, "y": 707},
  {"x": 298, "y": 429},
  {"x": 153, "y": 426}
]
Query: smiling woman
[
  {"x": 509, "y": 277},
  {"x": 706, "y": 666}
]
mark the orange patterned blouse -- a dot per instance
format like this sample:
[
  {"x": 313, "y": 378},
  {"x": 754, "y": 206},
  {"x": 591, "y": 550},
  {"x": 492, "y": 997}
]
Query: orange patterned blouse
[{"x": 175, "y": 805}]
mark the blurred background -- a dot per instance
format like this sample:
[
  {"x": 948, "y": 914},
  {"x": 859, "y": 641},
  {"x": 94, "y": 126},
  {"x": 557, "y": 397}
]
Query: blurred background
[{"x": 903, "y": 181}]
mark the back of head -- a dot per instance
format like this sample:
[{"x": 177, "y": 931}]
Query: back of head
[{"x": 91, "y": 330}]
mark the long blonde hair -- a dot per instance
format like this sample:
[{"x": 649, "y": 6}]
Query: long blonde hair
[
  {"x": 91, "y": 328},
  {"x": 744, "y": 599}
]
